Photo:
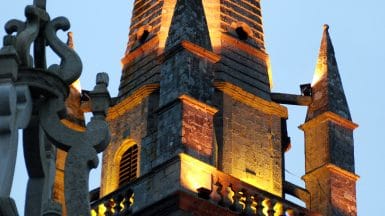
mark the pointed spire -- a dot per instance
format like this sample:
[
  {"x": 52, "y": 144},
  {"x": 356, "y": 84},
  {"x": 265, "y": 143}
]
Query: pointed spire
[
  {"x": 328, "y": 93},
  {"x": 189, "y": 23},
  {"x": 326, "y": 56}
]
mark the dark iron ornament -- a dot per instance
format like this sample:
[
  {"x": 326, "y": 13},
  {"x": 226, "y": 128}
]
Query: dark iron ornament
[{"x": 32, "y": 98}]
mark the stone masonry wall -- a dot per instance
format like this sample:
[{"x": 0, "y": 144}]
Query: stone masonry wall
[
  {"x": 329, "y": 143},
  {"x": 243, "y": 60},
  {"x": 131, "y": 127},
  {"x": 332, "y": 192},
  {"x": 342, "y": 147},
  {"x": 169, "y": 136},
  {"x": 197, "y": 132},
  {"x": 343, "y": 195},
  {"x": 318, "y": 184},
  {"x": 185, "y": 125},
  {"x": 316, "y": 147},
  {"x": 245, "y": 11},
  {"x": 141, "y": 70},
  {"x": 240, "y": 68},
  {"x": 185, "y": 73},
  {"x": 251, "y": 145},
  {"x": 146, "y": 12}
]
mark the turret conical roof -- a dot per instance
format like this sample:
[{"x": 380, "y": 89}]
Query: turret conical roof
[{"x": 328, "y": 93}]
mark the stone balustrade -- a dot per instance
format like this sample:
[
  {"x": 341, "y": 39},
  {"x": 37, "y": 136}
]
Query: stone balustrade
[
  {"x": 199, "y": 180},
  {"x": 239, "y": 198},
  {"x": 242, "y": 201},
  {"x": 245, "y": 199},
  {"x": 117, "y": 203},
  {"x": 248, "y": 201}
]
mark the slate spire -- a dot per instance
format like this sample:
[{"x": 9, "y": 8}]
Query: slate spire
[
  {"x": 328, "y": 93},
  {"x": 189, "y": 23}
]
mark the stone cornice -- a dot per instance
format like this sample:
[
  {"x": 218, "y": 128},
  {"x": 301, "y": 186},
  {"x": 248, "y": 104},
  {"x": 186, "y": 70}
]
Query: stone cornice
[
  {"x": 192, "y": 48},
  {"x": 340, "y": 171},
  {"x": 329, "y": 116},
  {"x": 249, "y": 99},
  {"x": 200, "y": 51},
  {"x": 198, "y": 104},
  {"x": 131, "y": 101},
  {"x": 246, "y": 47},
  {"x": 335, "y": 169},
  {"x": 149, "y": 45}
]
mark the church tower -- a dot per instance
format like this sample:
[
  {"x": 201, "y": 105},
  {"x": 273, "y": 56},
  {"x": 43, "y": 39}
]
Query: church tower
[{"x": 195, "y": 127}]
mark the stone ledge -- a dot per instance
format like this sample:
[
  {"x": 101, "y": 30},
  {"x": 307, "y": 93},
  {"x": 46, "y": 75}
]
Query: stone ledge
[
  {"x": 198, "y": 104},
  {"x": 140, "y": 50},
  {"x": 131, "y": 101},
  {"x": 343, "y": 172},
  {"x": 251, "y": 100},
  {"x": 201, "y": 52},
  {"x": 335, "y": 169},
  {"x": 329, "y": 116}
]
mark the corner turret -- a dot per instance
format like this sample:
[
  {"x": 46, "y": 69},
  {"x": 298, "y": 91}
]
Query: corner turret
[{"x": 329, "y": 145}]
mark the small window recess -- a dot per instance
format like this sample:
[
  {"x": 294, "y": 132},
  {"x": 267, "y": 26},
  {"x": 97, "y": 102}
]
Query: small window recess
[
  {"x": 143, "y": 33},
  {"x": 242, "y": 34},
  {"x": 241, "y": 30}
]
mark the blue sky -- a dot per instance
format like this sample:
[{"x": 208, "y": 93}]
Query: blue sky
[{"x": 293, "y": 31}]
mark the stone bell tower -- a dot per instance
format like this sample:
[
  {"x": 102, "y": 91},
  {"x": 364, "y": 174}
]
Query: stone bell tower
[
  {"x": 182, "y": 67},
  {"x": 195, "y": 127}
]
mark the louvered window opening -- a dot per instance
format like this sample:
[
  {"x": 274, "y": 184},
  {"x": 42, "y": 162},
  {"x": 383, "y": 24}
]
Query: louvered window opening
[{"x": 128, "y": 165}]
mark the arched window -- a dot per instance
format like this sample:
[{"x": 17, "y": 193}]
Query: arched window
[{"x": 128, "y": 165}]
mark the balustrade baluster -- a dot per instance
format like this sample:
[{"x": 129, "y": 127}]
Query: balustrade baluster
[
  {"x": 270, "y": 207},
  {"x": 249, "y": 210},
  {"x": 228, "y": 198},
  {"x": 108, "y": 204},
  {"x": 237, "y": 206},
  {"x": 96, "y": 210},
  {"x": 259, "y": 207},
  {"x": 279, "y": 209},
  {"x": 127, "y": 202},
  {"x": 118, "y": 200},
  {"x": 216, "y": 195}
]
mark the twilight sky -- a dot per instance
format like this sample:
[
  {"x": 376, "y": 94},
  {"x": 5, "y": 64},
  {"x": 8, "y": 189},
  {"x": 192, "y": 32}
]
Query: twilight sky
[{"x": 293, "y": 31}]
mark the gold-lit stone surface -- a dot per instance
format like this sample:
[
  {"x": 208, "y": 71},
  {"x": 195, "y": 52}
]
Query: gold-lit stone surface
[
  {"x": 251, "y": 100},
  {"x": 130, "y": 102}
]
